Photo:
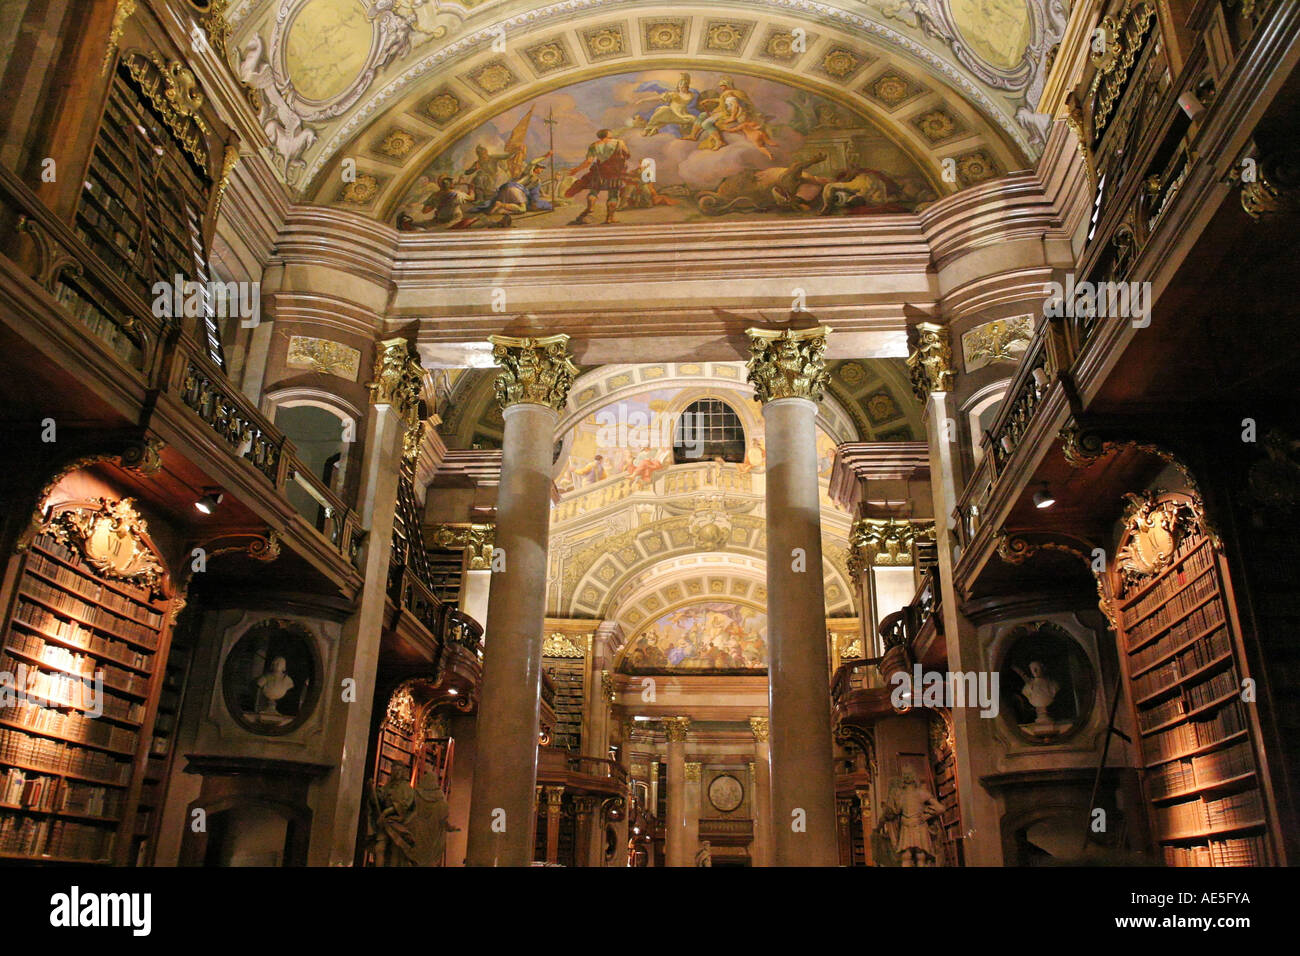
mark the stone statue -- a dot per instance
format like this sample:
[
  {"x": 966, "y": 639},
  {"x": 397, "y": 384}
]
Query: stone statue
[
  {"x": 704, "y": 855},
  {"x": 1039, "y": 690},
  {"x": 908, "y": 816},
  {"x": 408, "y": 826},
  {"x": 272, "y": 686}
]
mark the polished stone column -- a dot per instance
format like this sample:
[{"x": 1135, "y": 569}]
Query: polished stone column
[
  {"x": 788, "y": 374},
  {"x": 691, "y": 839},
  {"x": 761, "y": 852},
  {"x": 675, "y": 811},
  {"x": 532, "y": 387},
  {"x": 392, "y": 430}
]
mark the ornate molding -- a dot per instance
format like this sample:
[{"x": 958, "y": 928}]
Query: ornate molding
[
  {"x": 558, "y": 644},
  {"x": 142, "y": 457},
  {"x": 173, "y": 91},
  {"x": 110, "y": 535},
  {"x": 1014, "y": 549},
  {"x": 477, "y": 539},
  {"x": 1273, "y": 190},
  {"x": 788, "y": 364},
  {"x": 929, "y": 359},
  {"x": 1153, "y": 530},
  {"x": 229, "y": 159},
  {"x": 607, "y": 689},
  {"x": 1082, "y": 446},
  {"x": 675, "y": 728},
  {"x": 885, "y": 542},
  {"x": 694, "y": 771},
  {"x": 534, "y": 371},
  {"x": 760, "y": 727},
  {"x": 125, "y": 8}
]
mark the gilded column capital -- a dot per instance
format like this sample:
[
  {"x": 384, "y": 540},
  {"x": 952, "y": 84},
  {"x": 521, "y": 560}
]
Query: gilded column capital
[
  {"x": 885, "y": 543},
  {"x": 607, "y": 689},
  {"x": 929, "y": 359},
  {"x": 694, "y": 770},
  {"x": 398, "y": 381},
  {"x": 788, "y": 364},
  {"x": 554, "y": 798},
  {"x": 760, "y": 727},
  {"x": 675, "y": 728},
  {"x": 534, "y": 371}
]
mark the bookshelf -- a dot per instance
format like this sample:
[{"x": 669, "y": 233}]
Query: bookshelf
[
  {"x": 1184, "y": 668},
  {"x": 80, "y": 653},
  {"x": 142, "y": 209},
  {"x": 944, "y": 758},
  {"x": 567, "y": 674}
]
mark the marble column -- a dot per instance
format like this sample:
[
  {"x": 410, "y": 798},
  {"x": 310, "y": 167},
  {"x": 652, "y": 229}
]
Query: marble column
[
  {"x": 691, "y": 840},
  {"x": 761, "y": 800},
  {"x": 933, "y": 379},
  {"x": 675, "y": 824},
  {"x": 532, "y": 387},
  {"x": 394, "y": 415},
  {"x": 787, "y": 370}
]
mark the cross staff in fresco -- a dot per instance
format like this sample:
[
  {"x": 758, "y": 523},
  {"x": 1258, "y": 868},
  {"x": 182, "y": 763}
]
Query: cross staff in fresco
[{"x": 603, "y": 171}]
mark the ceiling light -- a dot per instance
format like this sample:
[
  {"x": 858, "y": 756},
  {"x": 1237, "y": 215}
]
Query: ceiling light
[
  {"x": 1043, "y": 498},
  {"x": 208, "y": 503}
]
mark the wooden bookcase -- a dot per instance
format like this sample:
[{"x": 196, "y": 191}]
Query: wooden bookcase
[
  {"x": 72, "y": 780},
  {"x": 567, "y": 673},
  {"x": 142, "y": 210},
  {"x": 1198, "y": 739}
]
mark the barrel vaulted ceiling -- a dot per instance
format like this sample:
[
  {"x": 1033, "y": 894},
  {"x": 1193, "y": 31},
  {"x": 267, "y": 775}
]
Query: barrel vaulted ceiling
[{"x": 364, "y": 102}]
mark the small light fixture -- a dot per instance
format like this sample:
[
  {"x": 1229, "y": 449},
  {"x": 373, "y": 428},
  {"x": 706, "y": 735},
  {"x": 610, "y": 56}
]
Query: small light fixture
[
  {"x": 208, "y": 503},
  {"x": 1043, "y": 498}
]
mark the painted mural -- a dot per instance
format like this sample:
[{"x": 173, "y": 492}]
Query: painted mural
[
  {"x": 665, "y": 146},
  {"x": 709, "y": 637},
  {"x": 633, "y": 437}
]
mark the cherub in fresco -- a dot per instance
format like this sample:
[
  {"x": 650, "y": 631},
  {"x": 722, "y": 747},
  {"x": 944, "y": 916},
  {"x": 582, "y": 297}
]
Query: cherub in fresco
[{"x": 680, "y": 107}]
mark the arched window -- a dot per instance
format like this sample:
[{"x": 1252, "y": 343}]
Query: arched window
[{"x": 708, "y": 429}]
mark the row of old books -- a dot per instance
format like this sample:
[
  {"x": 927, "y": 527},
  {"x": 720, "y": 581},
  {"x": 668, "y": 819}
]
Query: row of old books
[
  {"x": 92, "y": 614},
  {"x": 1194, "y": 817},
  {"x": 1181, "y": 740},
  {"x": 71, "y": 726},
  {"x": 46, "y": 622},
  {"x": 67, "y": 690},
  {"x": 54, "y": 655},
  {"x": 1202, "y": 619},
  {"x": 91, "y": 590},
  {"x": 28, "y": 836},
  {"x": 1197, "y": 562},
  {"x": 29, "y": 790},
  {"x": 1174, "y": 607},
  {"x": 1181, "y": 775},
  {"x": 56, "y": 756},
  {"x": 1242, "y": 851},
  {"x": 1194, "y": 697},
  {"x": 1188, "y": 661}
]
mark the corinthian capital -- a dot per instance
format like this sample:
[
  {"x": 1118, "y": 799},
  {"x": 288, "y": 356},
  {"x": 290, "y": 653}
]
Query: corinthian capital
[
  {"x": 675, "y": 728},
  {"x": 398, "y": 381},
  {"x": 534, "y": 371},
  {"x": 759, "y": 725},
  {"x": 929, "y": 360},
  {"x": 788, "y": 364}
]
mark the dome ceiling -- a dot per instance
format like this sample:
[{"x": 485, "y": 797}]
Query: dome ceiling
[{"x": 366, "y": 103}]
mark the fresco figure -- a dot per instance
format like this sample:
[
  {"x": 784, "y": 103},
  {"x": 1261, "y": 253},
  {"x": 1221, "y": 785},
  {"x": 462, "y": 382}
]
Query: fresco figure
[{"x": 603, "y": 170}]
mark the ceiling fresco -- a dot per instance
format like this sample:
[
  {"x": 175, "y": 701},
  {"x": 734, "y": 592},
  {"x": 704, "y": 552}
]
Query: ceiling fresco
[
  {"x": 683, "y": 146},
  {"x": 364, "y": 103}
]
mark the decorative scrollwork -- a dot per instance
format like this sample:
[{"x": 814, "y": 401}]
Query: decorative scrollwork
[
  {"x": 1015, "y": 549},
  {"x": 110, "y": 534}
]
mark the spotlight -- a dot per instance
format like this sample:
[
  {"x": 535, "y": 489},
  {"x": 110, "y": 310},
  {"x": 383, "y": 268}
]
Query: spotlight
[
  {"x": 1043, "y": 498},
  {"x": 208, "y": 503}
]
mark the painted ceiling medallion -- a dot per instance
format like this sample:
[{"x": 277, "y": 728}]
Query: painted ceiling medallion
[
  {"x": 663, "y": 34},
  {"x": 111, "y": 538}
]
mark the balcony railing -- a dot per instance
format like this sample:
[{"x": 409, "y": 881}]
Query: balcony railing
[
  {"x": 128, "y": 347},
  {"x": 462, "y": 630},
  {"x": 578, "y": 772}
]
